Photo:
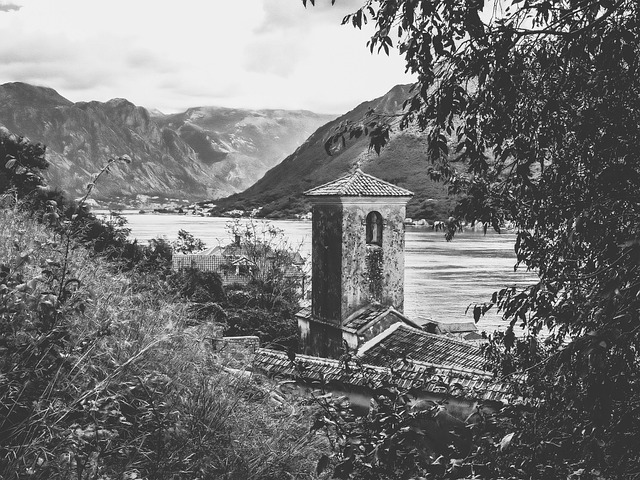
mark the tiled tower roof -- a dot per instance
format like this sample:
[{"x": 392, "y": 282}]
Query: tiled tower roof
[{"x": 358, "y": 184}]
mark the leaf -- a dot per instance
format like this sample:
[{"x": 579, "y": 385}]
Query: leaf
[
  {"x": 343, "y": 469},
  {"x": 10, "y": 163},
  {"x": 629, "y": 54},
  {"x": 477, "y": 313},
  {"x": 506, "y": 441},
  {"x": 323, "y": 463},
  {"x": 509, "y": 338}
]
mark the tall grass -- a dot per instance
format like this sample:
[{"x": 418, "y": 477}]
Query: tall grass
[{"x": 102, "y": 378}]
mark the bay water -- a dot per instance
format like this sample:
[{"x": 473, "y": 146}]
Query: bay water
[{"x": 442, "y": 278}]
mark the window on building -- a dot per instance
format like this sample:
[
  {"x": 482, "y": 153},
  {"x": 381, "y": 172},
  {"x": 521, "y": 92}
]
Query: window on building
[{"x": 374, "y": 229}]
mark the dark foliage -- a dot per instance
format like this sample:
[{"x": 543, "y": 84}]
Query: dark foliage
[
  {"x": 260, "y": 308},
  {"x": 21, "y": 163},
  {"x": 97, "y": 378},
  {"x": 539, "y": 101}
]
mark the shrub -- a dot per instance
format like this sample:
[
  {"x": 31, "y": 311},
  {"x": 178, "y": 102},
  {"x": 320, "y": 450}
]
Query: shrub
[{"x": 102, "y": 378}]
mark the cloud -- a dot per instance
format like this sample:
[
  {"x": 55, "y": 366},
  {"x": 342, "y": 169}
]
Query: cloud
[
  {"x": 287, "y": 35},
  {"x": 146, "y": 59},
  {"x": 280, "y": 15},
  {"x": 258, "y": 54},
  {"x": 9, "y": 7},
  {"x": 274, "y": 54}
]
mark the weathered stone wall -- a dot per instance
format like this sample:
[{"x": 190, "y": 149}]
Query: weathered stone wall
[
  {"x": 326, "y": 255},
  {"x": 372, "y": 273},
  {"x": 320, "y": 339},
  {"x": 346, "y": 272}
]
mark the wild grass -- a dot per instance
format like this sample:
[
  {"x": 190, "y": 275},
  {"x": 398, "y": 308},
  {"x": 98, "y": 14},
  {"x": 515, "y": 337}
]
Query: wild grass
[{"x": 101, "y": 377}]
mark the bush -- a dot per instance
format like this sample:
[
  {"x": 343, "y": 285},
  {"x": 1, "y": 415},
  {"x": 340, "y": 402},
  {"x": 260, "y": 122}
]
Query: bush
[
  {"x": 21, "y": 163},
  {"x": 101, "y": 378}
]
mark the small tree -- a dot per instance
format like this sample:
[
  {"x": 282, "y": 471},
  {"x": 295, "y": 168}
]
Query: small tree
[
  {"x": 279, "y": 266},
  {"x": 187, "y": 243},
  {"x": 267, "y": 304}
]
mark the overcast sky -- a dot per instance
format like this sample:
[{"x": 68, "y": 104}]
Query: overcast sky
[{"x": 172, "y": 55}]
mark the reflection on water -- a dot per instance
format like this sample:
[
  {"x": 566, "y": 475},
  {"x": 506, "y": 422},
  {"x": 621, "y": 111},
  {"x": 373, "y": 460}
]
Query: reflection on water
[{"x": 441, "y": 278}]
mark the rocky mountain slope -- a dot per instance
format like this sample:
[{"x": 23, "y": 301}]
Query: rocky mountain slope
[
  {"x": 204, "y": 153},
  {"x": 403, "y": 162},
  {"x": 254, "y": 140}
]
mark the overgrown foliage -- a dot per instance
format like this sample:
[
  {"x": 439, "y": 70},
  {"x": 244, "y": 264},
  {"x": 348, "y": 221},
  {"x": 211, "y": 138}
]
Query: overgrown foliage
[
  {"x": 266, "y": 305},
  {"x": 21, "y": 164},
  {"x": 540, "y": 100},
  {"x": 187, "y": 243},
  {"x": 398, "y": 437},
  {"x": 102, "y": 378},
  {"x": 103, "y": 373}
]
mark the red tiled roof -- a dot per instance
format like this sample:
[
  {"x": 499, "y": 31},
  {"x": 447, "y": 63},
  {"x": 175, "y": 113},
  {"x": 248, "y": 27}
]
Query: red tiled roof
[
  {"x": 358, "y": 184},
  {"x": 401, "y": 341},
  {"x": 429, "y": 379}
]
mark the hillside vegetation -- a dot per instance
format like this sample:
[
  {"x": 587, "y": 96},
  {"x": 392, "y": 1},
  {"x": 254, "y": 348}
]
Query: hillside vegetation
[{"x": 106, "y": 371}]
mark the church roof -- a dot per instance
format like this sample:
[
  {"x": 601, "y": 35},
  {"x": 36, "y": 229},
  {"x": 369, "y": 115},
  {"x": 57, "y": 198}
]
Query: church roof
[
  {"x": 401, "y": 341},
  {"x": 358, "y": 184}
]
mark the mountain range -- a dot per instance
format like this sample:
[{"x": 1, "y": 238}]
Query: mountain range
[
  {"x": 201, "y": 154},
  {"x": 403, "y": 162},
  {"x": 239, "y": 159}
]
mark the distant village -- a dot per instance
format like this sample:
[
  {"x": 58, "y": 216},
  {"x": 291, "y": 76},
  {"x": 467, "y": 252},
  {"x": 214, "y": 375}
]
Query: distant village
[{"x": 208, "y": 210}]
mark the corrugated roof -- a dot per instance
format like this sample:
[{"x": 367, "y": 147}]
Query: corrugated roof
[
  {"x": 363, "y": 316},
  {"x": 358, "y": 184},
  {"x": 304, "y": 312},
  {"x": 454, "y": 327},
  {"x": 429, "y": 379},
  {"x": 401, "y": 341},
  {"x": 370, "y": 313}
]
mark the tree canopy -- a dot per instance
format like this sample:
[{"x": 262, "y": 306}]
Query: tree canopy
[{"x": 540, "y": 99}]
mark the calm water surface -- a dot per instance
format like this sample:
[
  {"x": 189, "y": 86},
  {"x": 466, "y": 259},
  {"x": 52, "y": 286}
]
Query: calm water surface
[{"x": 441, "y": 278}]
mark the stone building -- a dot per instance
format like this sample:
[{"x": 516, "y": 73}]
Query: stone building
[
  {"x": 357, "y": 272},
  {"x": 355, "y": 337}
]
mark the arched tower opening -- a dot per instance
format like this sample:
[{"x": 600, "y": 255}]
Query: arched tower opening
[{"x": 374, "y": 229}]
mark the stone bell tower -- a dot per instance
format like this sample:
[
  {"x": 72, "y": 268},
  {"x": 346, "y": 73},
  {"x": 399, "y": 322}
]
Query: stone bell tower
[{"x": 357, "y": 256}]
